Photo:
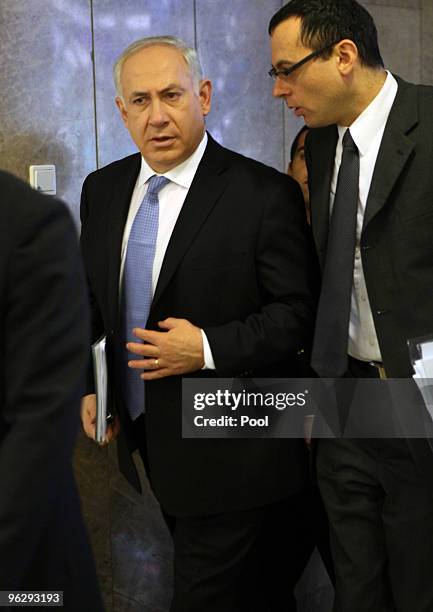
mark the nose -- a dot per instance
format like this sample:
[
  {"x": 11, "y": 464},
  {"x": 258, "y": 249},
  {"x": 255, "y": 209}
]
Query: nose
[
  {"x": 280, "y": 88},
  {"x": 158, "y": 115}
]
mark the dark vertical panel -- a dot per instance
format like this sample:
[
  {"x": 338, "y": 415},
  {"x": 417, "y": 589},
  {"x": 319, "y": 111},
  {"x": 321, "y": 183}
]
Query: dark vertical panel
[
  {"x": 46, "y": 112},
  {"x": 427, "y": 42}
]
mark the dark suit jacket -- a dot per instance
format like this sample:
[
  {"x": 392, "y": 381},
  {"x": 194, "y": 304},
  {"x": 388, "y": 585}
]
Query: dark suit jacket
[
  {"x": 397, "y": 235},
  {"x": 239, "y": 264},
  {"x": 43, "y": 344}
]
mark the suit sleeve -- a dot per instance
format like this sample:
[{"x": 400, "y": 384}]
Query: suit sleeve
[
  {"x": 287, "y": 275},
  {"x": 46, "y": 340},
  {"x": 96, "y": 322}
]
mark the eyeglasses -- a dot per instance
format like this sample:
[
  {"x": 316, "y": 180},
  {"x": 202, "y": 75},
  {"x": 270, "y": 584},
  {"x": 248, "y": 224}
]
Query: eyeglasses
[{"x": 284, "y": 73}]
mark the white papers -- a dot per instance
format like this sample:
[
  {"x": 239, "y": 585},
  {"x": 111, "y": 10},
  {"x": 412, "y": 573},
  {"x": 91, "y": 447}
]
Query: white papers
[
  {"x": 424, "y": 367},
  {"x": 426, "y": 389},
  {"x": 100, "y": 373},
  {"x": 427, "y": 350},
  {"x": 422, "y": 360}
]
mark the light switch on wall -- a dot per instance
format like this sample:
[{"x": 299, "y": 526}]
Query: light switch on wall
[{"x": 43, "y": 178}]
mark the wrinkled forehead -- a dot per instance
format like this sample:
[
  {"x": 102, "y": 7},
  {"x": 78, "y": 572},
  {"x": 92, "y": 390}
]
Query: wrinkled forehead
[{"x": 155, "y": 67}]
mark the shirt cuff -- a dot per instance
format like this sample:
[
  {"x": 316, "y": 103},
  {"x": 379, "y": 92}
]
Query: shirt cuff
[{"x": 209, "y": 363}]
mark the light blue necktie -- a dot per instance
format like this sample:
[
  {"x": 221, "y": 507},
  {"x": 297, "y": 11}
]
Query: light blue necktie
[{"x": 137, "y": 287}]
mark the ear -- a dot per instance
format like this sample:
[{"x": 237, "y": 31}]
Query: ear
[
  {"x": 347, "y": 56},
  {"x": 289, "y": 169},
  {"x": 122, "y": 109},
  {"x": 205, "y": 95}
]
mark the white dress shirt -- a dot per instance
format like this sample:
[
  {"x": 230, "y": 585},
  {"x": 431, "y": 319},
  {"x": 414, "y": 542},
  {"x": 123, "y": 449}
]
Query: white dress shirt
[
  {"x": 367, "y": 132},
  {"x": 171, "y": 199}
]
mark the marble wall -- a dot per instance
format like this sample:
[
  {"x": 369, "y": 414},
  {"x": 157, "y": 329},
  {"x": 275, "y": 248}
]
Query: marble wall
[
  {"x": 114, "y": 29},
  {"x": 57, "y": 106},
  {"x": 46, "y": 83}
]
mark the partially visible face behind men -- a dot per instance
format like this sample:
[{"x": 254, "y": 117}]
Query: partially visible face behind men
[
  {"x": 314, "y": 90},
  {"x": 298, "y": 168},
  {"x": 162, "y": 111}
]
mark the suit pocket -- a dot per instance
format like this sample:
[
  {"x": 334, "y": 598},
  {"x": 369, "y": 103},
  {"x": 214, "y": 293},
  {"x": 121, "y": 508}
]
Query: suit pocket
[
  {"x": 417, "y": 209},
  {"x": 416, "y": 239}
]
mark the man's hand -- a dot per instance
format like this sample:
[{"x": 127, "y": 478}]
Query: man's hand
[
  {"x": 88, "y": 419},
  {"x": 173, "y": 352}
]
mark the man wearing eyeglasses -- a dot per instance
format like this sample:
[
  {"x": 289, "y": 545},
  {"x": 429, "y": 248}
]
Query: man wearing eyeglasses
[{"x": 369, "y": 156}]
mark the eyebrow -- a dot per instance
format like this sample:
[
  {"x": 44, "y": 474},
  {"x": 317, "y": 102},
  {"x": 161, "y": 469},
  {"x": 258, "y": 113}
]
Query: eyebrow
[
  {"x": 170, "y": 87},
  {"x": 134, "y": 94},
  {"x": 283, "y": 63}
]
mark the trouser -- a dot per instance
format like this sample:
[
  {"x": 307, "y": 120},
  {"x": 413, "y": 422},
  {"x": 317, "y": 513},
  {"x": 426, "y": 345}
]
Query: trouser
[
  {"x": 380, "y": 510},
  {"x": 238, "y": 561},
  {"x": 243, "y": 561}
]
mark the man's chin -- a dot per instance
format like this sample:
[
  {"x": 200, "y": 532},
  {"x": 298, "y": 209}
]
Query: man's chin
[{"x": 163, "y": 162}]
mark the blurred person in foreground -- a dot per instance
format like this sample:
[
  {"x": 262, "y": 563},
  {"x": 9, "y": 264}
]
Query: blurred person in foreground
[{"x": 43, "y": 349}]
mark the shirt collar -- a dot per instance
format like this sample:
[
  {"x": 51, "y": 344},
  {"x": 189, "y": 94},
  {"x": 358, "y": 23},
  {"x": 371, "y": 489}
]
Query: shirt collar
[
  {"x": 182, "y": 174},
  {"x": 372, "y": 119}
]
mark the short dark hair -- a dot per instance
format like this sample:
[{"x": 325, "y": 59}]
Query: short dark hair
[
  {"x": 295, "y": 142},
  {"x": 326, "y": 21}
]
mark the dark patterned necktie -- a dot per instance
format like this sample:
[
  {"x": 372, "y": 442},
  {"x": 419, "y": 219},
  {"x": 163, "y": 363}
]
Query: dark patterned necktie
[{"x": 329, "y": 356}]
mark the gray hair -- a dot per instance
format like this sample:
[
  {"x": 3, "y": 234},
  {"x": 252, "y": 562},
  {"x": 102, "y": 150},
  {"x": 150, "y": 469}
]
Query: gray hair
[{"x": 188, "y": 53}]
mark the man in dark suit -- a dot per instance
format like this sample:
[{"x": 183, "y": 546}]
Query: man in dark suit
[
  {"x": 231, "y": 284},
  {"x": 369, "y": 156},
  {"x": 43, "y": 344}
]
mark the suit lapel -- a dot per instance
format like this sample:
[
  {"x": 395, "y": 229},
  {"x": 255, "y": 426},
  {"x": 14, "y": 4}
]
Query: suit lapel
[
  {"x": 206, "y": 187},
  {"x": 323, "y": 144},
  {"x": 117, "y": 215},
  {"x": 395, "y": 149}
]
